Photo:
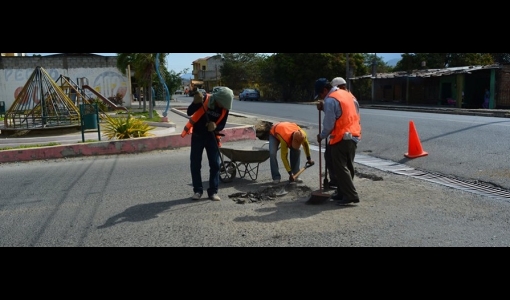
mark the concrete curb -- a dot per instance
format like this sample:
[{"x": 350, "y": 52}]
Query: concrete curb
[{"x": 234, "y": 132}]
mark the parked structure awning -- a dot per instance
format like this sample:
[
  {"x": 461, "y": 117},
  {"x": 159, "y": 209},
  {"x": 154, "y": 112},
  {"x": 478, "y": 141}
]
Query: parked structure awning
[{"x": 430, "y": 72}]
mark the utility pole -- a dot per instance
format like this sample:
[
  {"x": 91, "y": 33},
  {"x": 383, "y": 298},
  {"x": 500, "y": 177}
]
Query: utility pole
[
  {"x": 374, "y": 74},
  {"x": 130, "y": 88},
  {"x": 347, "y": 73}
]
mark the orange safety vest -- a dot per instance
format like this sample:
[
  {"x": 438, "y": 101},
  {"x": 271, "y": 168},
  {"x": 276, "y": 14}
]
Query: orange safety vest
[
  {"x": 188, "y": 128},
  {"x": 349, "y": 121},
  {"x": 285, "y": 130}
]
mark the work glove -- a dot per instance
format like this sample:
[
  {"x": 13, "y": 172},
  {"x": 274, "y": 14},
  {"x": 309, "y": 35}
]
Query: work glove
[
  {"x": 310, "y": 162},
  {"x": 211, "y": 126},
  {"x": 320, "y": 105},
  {"x": 291, "y": 177},
  {"x": 198, "y": 98},
  {"x": 319, "y": 139}
]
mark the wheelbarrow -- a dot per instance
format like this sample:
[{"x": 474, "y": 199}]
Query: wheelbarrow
[{"x": 242, "y": 162}]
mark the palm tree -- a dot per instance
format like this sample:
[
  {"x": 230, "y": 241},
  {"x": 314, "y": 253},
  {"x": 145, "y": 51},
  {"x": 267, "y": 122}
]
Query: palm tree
[
  {"x": 144, "y": 68},
  {"x": 125, "y": 60}
]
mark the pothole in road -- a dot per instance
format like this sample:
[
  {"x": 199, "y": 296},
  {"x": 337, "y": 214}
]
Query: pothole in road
[
  {"x": 281, "y": 191},
  {"x": 286, "y": 191}
]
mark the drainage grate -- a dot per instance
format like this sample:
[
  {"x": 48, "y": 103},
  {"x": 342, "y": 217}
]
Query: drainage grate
[
  {"x": 479, "y": 188},
  {"x": 473, "y": 187}
]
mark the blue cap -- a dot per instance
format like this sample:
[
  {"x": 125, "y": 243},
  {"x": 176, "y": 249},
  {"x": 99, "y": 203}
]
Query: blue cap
[{"x": 319, "y": 86}]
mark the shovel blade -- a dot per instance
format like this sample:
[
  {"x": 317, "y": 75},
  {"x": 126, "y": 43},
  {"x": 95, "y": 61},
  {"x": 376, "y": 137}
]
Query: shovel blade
[{"x": 281, "y": 192}]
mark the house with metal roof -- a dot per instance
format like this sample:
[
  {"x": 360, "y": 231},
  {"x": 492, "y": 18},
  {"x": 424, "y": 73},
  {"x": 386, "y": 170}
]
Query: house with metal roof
[{"x": 457, "y": 86}]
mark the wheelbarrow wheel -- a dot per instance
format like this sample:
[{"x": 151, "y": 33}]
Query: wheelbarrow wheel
[{"x": 228, "y": 171}]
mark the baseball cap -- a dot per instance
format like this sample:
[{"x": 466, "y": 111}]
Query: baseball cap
[
  {"x": 338, "y": 81},
  {"x": 319, "y": 86},
  {"x": 297, "y": 139}
]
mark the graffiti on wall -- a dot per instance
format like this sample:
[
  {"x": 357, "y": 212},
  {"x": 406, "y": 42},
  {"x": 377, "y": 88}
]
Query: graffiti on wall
[{"x": 109, "y": 82}]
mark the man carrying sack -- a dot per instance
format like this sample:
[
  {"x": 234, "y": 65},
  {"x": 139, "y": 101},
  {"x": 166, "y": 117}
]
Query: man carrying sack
[{"x": 207, "y": 118}]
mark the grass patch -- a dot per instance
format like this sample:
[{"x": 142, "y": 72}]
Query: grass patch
[
  {"x": 144, "y": 115},
  {"x": 30, "y": 146},
  {"x": 88, "y": 141}
]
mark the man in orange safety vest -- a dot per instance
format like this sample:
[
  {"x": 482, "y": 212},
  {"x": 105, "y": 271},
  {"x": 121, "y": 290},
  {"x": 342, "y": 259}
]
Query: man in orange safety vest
[{"x": 207, "y": 119}]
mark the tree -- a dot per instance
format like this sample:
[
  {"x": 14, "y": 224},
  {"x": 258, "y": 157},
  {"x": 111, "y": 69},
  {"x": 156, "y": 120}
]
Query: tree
[
  {"x": 123, "y": 61},
  {"x": 294, "y": 74},
  {"x": 144, "y": 68},
  {"x": 415, "y": 61},
  {"x": 501, "y": 57},
  {"x": 381, "y": 66},
  {"x": 240, "y": 69},
  {"x": 291, "y": 76}
]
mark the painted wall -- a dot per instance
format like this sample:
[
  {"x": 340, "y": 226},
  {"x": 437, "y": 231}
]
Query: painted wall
[{"x": 104, "y": 78}]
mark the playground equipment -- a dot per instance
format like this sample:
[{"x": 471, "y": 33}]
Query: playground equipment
[
  {"x": 41, "y": 104},
  {"x": 78, "y": 92}
]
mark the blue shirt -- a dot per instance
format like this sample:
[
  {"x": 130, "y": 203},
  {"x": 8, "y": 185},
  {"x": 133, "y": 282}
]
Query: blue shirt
[{"x": 333, "y": 111}]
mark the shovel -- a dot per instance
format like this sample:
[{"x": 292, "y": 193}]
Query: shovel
[
  {"x": 307, "y": 165},
  {"x": 284, "y": 191}
]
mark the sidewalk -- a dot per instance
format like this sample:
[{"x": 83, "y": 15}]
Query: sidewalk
[{"x": 501, "y": 113}]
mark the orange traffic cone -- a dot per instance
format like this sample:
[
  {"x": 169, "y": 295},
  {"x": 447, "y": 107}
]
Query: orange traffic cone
[{"x": 414, "y": 148}]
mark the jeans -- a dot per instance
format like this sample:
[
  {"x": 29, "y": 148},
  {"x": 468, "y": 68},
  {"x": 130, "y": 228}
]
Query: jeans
[
  {"x": 273, "y": 159},
  {"x": 198, "y": 144}
]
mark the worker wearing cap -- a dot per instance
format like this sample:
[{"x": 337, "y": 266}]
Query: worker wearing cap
[
  {"x": 343, "y": 127},
  {"x": 337, "y": 82},
  {"x": 289, "y": 136},
  {"x": 340, "y": 83}
]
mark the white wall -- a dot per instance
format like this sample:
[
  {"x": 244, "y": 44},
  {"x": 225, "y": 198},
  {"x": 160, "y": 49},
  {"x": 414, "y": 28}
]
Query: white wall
[{"x": 107, "y": 81}]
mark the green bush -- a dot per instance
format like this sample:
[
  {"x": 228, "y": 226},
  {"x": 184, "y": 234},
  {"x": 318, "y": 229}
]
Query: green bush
[
  {"x": 126, "y": 128},
  {"x": 101, "y": 106}
]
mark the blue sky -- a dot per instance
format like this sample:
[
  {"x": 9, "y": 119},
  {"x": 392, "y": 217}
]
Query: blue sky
[{"x": 180, "y": 61}]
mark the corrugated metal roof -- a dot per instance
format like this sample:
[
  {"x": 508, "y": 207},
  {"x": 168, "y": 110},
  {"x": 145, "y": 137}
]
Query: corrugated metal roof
[{"x": 430, "y": 72}]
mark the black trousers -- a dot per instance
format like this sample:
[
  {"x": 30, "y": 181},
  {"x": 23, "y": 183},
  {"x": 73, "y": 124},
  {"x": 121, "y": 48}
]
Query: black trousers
[{"x": 342, "y": 156}]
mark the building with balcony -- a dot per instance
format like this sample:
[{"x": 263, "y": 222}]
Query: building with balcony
[
  {"x": 206, "y": 72},
  {"x": 12, "y": 54}
]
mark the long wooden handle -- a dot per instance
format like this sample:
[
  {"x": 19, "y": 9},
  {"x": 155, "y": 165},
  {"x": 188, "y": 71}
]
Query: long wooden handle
[
  {"x": 299, "y": 173},
  {"x": 320, "y": 155},
  {"x": 307, "y": 165}
]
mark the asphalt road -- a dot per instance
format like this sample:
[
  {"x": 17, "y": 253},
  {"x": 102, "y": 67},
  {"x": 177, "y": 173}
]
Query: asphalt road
[{"x": 143, "y": 200}]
